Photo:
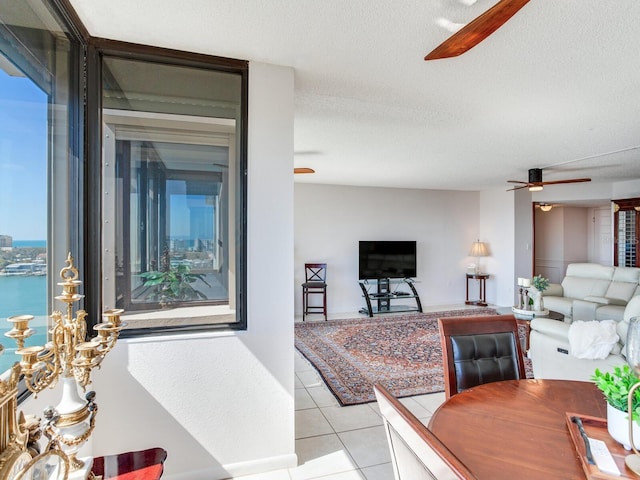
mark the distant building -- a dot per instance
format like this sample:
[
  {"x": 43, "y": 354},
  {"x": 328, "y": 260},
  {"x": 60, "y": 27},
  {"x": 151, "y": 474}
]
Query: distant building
[{"x": 6, "y": 241}]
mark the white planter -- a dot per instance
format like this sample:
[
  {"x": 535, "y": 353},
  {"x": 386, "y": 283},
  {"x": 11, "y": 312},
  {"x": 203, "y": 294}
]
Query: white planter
[{"x": 618, "y": 427}]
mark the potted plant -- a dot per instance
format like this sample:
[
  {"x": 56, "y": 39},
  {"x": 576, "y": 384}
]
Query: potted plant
[
  {"x": 538, "y": 285},
  {"x": 174, "y": 284},
  {"x": 615, "y": 386}
]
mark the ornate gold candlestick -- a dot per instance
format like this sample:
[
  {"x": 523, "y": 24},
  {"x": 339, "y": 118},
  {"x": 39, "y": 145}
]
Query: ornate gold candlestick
[{"x": 68, "y": 356}]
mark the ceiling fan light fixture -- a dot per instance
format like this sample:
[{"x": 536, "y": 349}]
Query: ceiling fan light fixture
[
  {"x": 535, "y": 188},
  {"x": 545, "y": 207}
]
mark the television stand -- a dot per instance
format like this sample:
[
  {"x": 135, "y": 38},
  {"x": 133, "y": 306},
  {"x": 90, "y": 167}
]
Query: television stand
[{"x": 382, "y": 292}]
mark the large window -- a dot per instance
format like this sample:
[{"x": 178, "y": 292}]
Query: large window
[
  {"x": 40, "y": 125},
  {"x": 173, "y": 209},
  {"x": 130, "y": 157},
  {"x": 626, "y": 222}
]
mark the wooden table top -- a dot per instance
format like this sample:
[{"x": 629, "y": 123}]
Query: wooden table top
[{"x": 517, "y": 428}]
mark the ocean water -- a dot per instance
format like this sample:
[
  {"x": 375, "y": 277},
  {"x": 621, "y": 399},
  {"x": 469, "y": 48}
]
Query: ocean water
[
  {"x": 29, "y": 243},
  {"x": 22, "y": 295}
]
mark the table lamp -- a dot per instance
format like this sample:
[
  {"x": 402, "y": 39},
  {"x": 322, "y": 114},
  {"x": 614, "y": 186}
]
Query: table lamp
[
  {"x": 478, "y": 249},
  {"x": 633, "y": 359}
]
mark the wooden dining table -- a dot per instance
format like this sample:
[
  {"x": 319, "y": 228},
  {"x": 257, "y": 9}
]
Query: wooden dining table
[{"x": 516, "y": 429}]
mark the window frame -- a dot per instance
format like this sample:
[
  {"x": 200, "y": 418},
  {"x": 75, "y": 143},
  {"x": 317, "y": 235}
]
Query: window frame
[
  {"x": 625, "y": 205},
  {"x": 97, "y": 50}
]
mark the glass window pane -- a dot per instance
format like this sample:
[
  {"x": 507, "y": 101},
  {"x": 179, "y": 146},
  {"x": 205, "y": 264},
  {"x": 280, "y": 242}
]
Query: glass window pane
[
  {"x": 173, "y": 197},
  {"x": 35, "y": 95}
]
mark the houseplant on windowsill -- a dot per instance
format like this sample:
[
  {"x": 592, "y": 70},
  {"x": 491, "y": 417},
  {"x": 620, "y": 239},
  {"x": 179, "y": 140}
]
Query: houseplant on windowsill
[
  {"x": 174, "y": 284},
  {"x": 615, "y": 386}
]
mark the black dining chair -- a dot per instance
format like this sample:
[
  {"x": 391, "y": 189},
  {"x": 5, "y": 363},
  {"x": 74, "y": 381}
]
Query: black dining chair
[
  {"x": 315, "y": 283},
  {"x": 480, "y": 349}
]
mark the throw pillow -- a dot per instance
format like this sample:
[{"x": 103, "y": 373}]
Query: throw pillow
[{"x": 592, "y": 340}]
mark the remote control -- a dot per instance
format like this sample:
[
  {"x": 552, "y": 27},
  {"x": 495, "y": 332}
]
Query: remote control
[{"x": 602, "y": 457}]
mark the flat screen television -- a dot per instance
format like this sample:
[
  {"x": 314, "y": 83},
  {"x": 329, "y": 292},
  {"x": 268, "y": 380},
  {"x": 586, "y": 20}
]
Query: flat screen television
[{"x": 386, "y": 259}]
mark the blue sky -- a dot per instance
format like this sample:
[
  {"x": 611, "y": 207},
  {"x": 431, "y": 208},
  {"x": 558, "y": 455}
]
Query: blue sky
[{"x": 23, "y": 159}]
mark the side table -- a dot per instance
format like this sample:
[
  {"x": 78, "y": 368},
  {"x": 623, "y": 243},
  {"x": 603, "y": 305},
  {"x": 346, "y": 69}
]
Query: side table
[{"x": 482, "y": 280}]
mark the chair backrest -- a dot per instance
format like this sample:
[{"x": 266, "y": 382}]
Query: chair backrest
[
  {"x": 480, "y": 349},
  {"x": 143, "y": 464},
  {"x": 315, "y": 272},
  {"x": 416, "y": 453}
]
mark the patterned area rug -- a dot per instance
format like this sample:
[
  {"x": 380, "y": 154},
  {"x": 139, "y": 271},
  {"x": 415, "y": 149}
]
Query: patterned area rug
[{"x": 401, "y": 352}]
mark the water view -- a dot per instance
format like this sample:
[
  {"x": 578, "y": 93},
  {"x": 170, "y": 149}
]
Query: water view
[{"x": 24, "y": 294}]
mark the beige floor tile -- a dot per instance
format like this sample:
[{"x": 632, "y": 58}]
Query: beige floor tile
[
  {"x": 322, "y": 396},
  {"x": 310, "y": 378},
  {"x": 351, "y": 418},
  {"x": 431, "y": 402},
  {"x": 383, "y": 471},
  {"x": 311, "y": 423},
  {"x": 303, "y": 400},
  {"x": 321, "y": 456},
  {"x": 367, "y": 446}
]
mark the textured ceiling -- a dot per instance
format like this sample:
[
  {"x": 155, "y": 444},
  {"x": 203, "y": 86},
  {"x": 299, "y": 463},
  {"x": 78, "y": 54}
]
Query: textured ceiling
[{"x": 557, "y": 86}]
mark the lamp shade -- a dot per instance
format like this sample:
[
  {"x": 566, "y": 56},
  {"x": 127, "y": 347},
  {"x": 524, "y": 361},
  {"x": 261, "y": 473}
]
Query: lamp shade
[{"x": 479, "y": 249}]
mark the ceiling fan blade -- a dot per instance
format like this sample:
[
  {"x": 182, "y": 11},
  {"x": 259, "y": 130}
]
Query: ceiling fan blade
[
  {"x": 477, "y": 30},
  {"x": 303, "y": 170},
  {"x": 518, "y": 188},
  {"x": 572, "y": 180},
  {"x": 515, "y": 181}
]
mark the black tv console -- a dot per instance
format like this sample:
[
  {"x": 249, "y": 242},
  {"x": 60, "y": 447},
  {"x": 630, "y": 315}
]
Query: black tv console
[{"x": 383, "y": 291}]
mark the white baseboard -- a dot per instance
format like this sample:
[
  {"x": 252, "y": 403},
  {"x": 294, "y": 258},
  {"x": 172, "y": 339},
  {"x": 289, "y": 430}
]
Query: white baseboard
[{"x": 233, "y": 470}]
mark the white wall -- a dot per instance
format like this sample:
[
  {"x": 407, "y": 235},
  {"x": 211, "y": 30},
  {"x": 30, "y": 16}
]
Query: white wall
[
  {"x": 497, "y": 227},
  {"x": 562, "y": 237},
  {"x": 523, "y": 237},
  {"x": 221, "y": 403},
  {"x": 330, "y": 220}
]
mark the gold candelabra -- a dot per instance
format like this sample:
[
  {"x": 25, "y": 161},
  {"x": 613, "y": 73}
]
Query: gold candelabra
[{"x": 67, "y": 356}]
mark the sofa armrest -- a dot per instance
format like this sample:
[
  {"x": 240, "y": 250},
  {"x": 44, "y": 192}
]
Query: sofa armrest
[
  {"x": 554, "y": 290},
  {"x": 552, "y": 328},
  {"x": 583, "y": 310}
]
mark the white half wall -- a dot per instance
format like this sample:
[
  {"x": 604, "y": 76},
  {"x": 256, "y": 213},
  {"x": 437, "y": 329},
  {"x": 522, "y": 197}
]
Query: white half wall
[{"x": 221, "y": 404}]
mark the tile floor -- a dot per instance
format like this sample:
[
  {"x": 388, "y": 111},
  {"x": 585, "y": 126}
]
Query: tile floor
[{"x": 341, "y": 443}]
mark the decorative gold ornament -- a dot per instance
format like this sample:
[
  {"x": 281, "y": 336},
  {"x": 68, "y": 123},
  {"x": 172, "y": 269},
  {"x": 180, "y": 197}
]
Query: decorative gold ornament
[{"x": 67, "y": 357}]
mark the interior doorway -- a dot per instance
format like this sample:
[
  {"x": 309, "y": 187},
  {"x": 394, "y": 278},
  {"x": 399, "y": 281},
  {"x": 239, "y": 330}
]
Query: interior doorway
[{"x": 565, "y": 234}]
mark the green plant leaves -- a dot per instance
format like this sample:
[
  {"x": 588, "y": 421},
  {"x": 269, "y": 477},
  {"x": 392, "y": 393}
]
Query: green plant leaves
[{"x": 616, "y": 386}]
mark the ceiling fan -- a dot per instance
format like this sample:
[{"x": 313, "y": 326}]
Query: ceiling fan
[
  {"x": 477, "y": 30},
  {"x": 535, "y": 182}
]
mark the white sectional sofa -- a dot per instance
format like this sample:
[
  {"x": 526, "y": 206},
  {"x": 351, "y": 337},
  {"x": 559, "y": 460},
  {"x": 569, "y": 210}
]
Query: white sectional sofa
[
  {"x": 550, "y": 349},
  {"x": 593, "y": 292}
]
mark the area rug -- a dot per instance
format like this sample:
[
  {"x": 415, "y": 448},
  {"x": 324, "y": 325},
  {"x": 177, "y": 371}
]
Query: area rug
[{"x": 401, "y": 352}]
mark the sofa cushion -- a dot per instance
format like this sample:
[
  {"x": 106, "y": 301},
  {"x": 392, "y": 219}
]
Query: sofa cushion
[
  {"x": 631, "y": 310},
  {"x": 581, "y": 287},
  {"x": 626, "y": 275},
  {"x": 620, "y": 292},
  {"x": 590, "y": 270},
  {"x": 610, "y": 312}
]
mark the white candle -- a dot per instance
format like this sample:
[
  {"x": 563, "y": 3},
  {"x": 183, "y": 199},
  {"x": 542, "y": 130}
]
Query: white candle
[{"x": 526, "y": 282}]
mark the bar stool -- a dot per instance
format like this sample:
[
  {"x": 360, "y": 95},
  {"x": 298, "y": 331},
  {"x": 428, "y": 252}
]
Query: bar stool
[{"x": 315, "y": 275}]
